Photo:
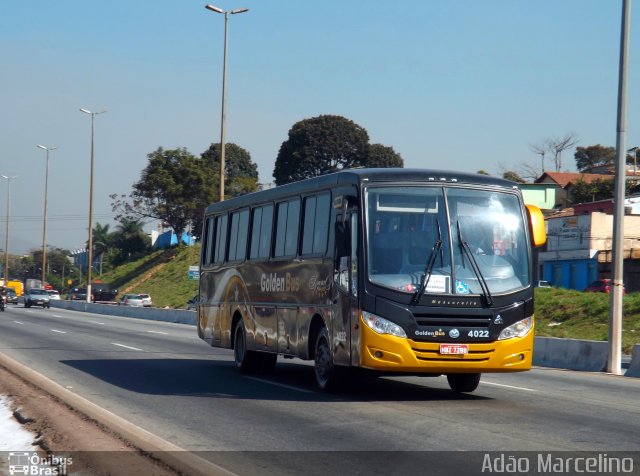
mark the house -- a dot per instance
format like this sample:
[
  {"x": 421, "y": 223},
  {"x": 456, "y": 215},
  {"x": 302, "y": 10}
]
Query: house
[
  {"x": 578, "y": 249},
  {"x": 564, "y": 181}
]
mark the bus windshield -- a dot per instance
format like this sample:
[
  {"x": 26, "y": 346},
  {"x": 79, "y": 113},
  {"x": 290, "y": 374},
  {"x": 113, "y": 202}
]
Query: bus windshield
[{"x": 446, "y": 240}]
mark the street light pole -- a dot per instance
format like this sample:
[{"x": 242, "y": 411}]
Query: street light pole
[
  {"x": 6, "y": 238},
  {"x": 223, "y": 117},
  {"x": 90, "y": 244},
  {"x": 44, "y": 225}
]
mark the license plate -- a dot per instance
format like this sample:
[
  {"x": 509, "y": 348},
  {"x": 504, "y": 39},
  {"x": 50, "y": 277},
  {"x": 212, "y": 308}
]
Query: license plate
[{"x": 454, "y": 349}]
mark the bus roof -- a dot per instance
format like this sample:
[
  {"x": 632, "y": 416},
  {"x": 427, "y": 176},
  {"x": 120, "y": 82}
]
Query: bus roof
[{"x": 358, "y": 176}]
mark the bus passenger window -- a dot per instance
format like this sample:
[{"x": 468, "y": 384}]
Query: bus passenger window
[
  {"x": 220, "y": 244},
  {"x": 287, "y": 228},
  {"x": 261, "y": 232}
]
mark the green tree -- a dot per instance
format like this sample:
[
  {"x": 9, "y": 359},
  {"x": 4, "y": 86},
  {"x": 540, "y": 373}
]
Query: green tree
[
  {"x": 594, "y": 156},
  {"x": 379, "y": 155},
  {"x": 130, "y": 240},
  {"x": 172, "y": 188},
  {"x": 103, "y": 252},
  {"x": 600, "y": 189},
  {"x": 513, "y": 176},
  {"x": 240, "y": 173},
  {"x": 318, "y": 146}
]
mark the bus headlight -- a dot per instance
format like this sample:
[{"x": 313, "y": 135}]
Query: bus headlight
[
  {"x": 382, "y": 326},
  {"x": 519, "y": 329}
]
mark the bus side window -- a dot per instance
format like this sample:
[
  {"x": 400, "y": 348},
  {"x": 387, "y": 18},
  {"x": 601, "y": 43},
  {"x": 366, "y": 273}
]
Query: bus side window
[{"x": 220, "y": 243}]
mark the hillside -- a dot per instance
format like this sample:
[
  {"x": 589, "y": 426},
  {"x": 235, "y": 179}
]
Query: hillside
[
  {"x": 162, "y": 274},
  {"x": 559, "y": 312}
]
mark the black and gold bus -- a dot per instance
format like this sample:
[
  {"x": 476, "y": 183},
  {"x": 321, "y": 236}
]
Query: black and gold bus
[{"x": 393, "y": 270}]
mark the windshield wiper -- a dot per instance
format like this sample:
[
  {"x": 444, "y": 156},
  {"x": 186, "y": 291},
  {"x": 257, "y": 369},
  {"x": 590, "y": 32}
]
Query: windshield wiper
[
  {"x": 474, "y": 266},
  {"x": 437, "y": 247}
]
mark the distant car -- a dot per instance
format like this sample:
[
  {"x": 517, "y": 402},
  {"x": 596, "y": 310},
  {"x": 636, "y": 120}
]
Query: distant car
[
  {"x": 53, "y": 294},
  {"x": 37, "y": 297},
  {"x": 601, "y": 286},
  {"x": 541, "y": 284},
  {"x": 192, "y": 304},
  {"x": 77, "y": 294},
  {"x": 12, "y": 297},
  {"x": 135, "y": 300},
  {"x": 146, "y": 300}
]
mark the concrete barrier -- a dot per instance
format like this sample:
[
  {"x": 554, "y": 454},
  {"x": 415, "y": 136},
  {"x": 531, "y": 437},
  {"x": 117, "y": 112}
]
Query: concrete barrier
[
  {"x": 181, "y": 316},
  {"x": 634, "y": 365},
  {"x": 572, "y": 354}
]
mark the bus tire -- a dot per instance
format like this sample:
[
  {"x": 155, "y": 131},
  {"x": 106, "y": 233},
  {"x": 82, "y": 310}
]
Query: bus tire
[
  {"x": 463, "y": 383},
  {"x": 246, "y": 360},
  {"x": 327, "y": 374}
]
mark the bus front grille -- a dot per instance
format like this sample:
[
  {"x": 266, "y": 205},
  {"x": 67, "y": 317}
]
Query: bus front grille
[{"x": 435, "y": 320}]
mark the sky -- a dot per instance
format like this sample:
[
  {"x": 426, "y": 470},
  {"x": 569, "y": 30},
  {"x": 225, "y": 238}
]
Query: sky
[{"x": 449, "y": 84}]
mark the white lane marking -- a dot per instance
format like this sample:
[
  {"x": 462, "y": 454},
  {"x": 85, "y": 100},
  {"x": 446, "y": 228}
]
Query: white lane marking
[
  {"x": 509, "y": 386},
  {"x": 100, "y": 323},
  {"x": 18, "y": 322},
  {"x": 290, "y": 387},
  {"x": 125, "y": 346},
  {"x": 59, "y": 332},
  {"x": 158, "y": 332},
  {"x": 56, "y": 315}
]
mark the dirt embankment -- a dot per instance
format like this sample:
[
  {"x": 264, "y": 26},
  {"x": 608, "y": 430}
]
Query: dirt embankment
[{"x": 59, "y": 430}]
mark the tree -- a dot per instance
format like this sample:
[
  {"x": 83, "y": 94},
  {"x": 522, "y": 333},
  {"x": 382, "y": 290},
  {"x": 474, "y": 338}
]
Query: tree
[
  {"x": 240, "y": 173},
  {"x": 130, "y": 240},
  {"x": 541, "y": 150},
  {"x": 318, "y": 146},
  {"x": 559, "y": 145},
  {"x": 600, "y": 189},
  {"x": 594, "y": 156},
  {"x": 513, "y": 176},
  {"x": 171, "y": 189},
  {"x": 102, "y": 245},
  {"x": 379, "y": 155}
]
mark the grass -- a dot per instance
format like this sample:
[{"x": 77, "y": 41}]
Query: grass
[
  {"x": 578, "y": 315},
  {"x": 162, "y": 274},
  {"x": 559, "y": 312}
]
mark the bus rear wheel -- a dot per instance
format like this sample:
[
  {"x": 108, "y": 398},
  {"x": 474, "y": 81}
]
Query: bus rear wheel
[
  {"x": 463, "y": 383},
  {"x": 327, "y": 374},
  {"x": 246, "y": 360}
]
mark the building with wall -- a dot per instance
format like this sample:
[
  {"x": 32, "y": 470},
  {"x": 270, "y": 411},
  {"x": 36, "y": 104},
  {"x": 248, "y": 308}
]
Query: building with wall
[{"x": 578, "y": 250}]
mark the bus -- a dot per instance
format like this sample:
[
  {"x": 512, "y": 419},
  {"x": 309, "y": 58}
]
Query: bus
[{"x": 391, "y": 270}]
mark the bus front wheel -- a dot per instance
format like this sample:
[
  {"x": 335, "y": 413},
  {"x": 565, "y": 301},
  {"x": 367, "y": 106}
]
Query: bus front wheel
[
  {"x": 327, "y": 375},
  {"x": 463, "y": 383},
  {"x": 246, "y": 360}
]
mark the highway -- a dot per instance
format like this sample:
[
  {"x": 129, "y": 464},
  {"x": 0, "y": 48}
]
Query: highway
[{"x": 161, "y": 377}]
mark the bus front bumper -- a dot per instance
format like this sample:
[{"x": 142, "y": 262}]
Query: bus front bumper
[{"x": 396, "y": 354}]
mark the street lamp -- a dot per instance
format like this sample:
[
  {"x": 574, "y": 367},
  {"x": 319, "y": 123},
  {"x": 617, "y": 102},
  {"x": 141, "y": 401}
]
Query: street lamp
[
  {"x": 6, "y": 238},
  {"x": 224, "y": 84},
  {"x": 44, "y": 225},
  {"x": 89, "y": 248}
]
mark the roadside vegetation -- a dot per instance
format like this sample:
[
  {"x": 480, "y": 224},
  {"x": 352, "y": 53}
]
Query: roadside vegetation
[
  {"x": 163, "y": 274},
  {"x": 578, "y": 315}
]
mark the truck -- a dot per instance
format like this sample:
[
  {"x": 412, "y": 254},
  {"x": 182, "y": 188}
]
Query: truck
[
  {"x": 17, "y": 286},
  {"x": 32, "y": 284}
]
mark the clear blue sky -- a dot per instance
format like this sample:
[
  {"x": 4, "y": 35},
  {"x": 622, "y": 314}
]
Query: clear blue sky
[{"x": 460, "y": 84}]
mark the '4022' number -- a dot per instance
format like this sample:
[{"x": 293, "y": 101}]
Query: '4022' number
[{"x": 476, "y": 333}]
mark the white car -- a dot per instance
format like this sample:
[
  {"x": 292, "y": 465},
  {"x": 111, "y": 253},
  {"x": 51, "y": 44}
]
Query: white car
[
  {"x": 132, "y": 300},
  {"x": 146, "y": 300},
  {"x": 53, "y": 294}
]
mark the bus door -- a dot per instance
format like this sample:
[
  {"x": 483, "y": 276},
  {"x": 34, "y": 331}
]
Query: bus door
[{"x": 345, "y": 294}]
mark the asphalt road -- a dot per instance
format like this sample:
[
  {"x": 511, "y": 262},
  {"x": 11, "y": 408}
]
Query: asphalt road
[{"x": 161, "y": 377}]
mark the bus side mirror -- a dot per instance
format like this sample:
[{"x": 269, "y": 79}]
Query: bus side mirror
[
  {"x": 536, "y": 226},
  {"x": 343, "y": 247}
]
